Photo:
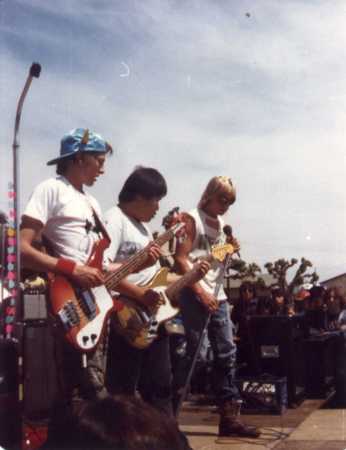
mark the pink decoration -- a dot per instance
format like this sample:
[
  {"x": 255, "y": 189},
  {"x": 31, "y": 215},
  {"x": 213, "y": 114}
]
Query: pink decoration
[{"x": 8, "y": 328}]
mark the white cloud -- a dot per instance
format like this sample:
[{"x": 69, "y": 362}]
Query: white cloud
[{"x": 210, "y": 91}]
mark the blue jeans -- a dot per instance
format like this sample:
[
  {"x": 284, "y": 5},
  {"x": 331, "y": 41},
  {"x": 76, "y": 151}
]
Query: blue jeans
[{"x": 220, "y": 334}]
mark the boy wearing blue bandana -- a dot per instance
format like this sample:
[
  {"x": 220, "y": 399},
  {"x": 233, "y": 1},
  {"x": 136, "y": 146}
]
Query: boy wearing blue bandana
[{"x": 62, "y": 213}]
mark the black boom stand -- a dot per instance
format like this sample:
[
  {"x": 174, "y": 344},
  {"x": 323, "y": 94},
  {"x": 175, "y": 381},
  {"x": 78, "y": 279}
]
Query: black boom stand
[{"x": 11, "y": 344}]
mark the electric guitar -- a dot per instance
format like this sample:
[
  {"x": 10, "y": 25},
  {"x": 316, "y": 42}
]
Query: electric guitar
[
  {"x": 82, "y": 312},
  {"x": 138, "y": 324}
]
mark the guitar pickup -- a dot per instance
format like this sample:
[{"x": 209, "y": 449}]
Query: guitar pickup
[
  {"x": 87, "y": 303},
  {"x": 69, "y": 315}
]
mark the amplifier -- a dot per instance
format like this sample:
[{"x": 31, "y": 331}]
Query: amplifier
[
  {"x": 321, "y": 359},
  {"x": 34, "y": 305},
  {"x": 278, "y": 350},
  {"x": 263, "y": 395},
  {"x": 40, "y": 371}
]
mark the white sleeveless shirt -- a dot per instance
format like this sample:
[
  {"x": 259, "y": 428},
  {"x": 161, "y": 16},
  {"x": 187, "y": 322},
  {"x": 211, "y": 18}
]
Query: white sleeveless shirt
[{"x": 207, "y": 236}]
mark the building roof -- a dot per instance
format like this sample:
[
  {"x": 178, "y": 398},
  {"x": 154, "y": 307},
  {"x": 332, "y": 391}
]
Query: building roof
[
  {"x": 268, "y": 279},
  {"x": 337, "y": 277}
]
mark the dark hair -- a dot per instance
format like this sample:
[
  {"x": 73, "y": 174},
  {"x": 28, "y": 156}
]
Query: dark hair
[
  {"x": 144, "y": 181},
  {"x": 62, "y": 165},
  {"x": 124, "y": 423},
  {"x": 246, "y": 285},
  {"x": 277, "y": 292}
]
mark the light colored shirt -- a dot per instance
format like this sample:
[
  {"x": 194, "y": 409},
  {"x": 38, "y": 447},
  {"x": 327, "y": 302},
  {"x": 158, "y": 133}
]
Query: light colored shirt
[{"x": 67, "y": 217}]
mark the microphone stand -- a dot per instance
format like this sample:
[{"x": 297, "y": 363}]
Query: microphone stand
[
  {"x": 13, "y": 266},
  {"x": 200, "y": 342}
]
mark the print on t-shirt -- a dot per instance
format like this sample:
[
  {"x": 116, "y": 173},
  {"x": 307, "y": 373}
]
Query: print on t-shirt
[{"x": 127, "y": 249}]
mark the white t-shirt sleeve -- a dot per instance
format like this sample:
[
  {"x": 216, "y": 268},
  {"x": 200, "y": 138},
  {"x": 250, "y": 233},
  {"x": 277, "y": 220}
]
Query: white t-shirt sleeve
[{"x": 41, "y": 203}]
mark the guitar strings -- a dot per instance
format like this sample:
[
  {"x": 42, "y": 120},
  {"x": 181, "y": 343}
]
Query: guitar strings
[{"x": 114, "y": 278}]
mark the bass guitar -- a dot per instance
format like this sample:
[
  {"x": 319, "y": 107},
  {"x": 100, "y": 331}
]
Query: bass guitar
[
  {"x": 81, "y": 312},
  {"x": 138, "y": 324}
]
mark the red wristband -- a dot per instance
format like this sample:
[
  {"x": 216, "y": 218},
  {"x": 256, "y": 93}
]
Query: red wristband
[{"x": 65, "y": 266}]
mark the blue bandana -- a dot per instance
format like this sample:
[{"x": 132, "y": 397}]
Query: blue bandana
[{"x": 79, "y": 139}]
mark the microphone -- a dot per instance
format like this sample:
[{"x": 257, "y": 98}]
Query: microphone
[
  {"x": 35, "y": 70},
  {"x": 227, "y": 229}
]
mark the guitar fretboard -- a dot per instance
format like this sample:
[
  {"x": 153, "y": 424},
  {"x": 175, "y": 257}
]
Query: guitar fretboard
[{"x": 135, "y": 261}]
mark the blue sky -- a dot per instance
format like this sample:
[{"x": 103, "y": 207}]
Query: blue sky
[{"x": 254, "y": 90}]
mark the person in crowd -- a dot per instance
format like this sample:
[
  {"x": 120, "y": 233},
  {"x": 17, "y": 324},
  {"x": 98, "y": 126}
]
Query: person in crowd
[
  {"x": 334, "y": 304},
  {"x": 279, "y": 305},
  {"x": 301, "y": 299},
  {"x": 205, "y": 303},
  {"x": 315, "y": 311},
  {"x": 246, "y": 306},
  {"x": 67, "y": 217}
]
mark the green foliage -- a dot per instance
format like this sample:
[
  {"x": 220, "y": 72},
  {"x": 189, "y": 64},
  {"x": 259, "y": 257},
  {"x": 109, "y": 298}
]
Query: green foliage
[{"x": 280, "y": 270}]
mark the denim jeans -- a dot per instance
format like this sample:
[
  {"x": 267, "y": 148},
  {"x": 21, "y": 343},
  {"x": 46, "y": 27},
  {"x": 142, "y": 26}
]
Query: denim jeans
[{"x": 220, "y": 335}]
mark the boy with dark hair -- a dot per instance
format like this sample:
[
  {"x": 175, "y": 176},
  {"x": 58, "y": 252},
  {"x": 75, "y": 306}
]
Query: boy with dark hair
[{"x": 147, "y": 370}]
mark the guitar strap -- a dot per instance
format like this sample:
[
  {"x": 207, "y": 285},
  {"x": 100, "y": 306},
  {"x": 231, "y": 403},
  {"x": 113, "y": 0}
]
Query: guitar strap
[{"x": 100, "y": 225}]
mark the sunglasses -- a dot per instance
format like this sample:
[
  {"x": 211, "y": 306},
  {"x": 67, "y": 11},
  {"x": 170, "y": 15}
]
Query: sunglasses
[{"x": 225, "y": 201}]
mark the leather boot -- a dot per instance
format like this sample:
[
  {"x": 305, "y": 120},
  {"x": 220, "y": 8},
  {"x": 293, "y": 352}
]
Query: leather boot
[{"x": 230, "y": 423}]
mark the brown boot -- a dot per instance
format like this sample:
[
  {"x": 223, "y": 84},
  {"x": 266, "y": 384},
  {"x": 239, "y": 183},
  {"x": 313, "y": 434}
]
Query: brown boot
[{"x": 230, "y": 423}]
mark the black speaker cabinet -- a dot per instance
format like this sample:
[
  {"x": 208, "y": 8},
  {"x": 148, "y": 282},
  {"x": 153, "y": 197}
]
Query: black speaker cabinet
[
  {"x": 10, "y": 414},
  {"x": 340, "y": 371},
  {"x": 321, "y": 359},
  {"x": 278, "y": 349},
  {"x": 40, "y": 372}
]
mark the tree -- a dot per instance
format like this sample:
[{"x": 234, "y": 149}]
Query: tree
[
  {"x": 245, "y": 271},
  {"x": 280, "y": 270}
]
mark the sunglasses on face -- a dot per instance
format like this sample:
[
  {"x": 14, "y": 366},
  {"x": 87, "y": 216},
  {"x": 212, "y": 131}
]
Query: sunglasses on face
[{"x": 225, "y": 201}]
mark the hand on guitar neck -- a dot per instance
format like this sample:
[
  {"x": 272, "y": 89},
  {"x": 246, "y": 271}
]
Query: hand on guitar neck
[{"x": 153, "y": 254}]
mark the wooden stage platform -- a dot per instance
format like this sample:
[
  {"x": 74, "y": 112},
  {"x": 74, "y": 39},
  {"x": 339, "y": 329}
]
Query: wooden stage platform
[{"x": 311, "y": 426}]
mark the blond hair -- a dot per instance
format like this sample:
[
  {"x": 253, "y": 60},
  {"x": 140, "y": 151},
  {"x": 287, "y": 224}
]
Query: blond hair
[{"x": 218, "y": 185}]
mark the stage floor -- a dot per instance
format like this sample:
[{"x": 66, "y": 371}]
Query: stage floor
[{"x": 307, "y": 427}]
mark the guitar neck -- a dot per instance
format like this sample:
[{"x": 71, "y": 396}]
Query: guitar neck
[
  {"x": 185, "y": 280},
  {"x": 133, "y": 263}
]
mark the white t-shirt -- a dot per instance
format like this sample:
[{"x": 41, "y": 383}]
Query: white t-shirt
[
  {"x": 67, "y": 216},
  {"x": 128, "y": 236},
  {"x": 207, "y": 236}
]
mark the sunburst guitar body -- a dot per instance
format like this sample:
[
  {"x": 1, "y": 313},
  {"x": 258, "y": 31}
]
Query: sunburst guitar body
[{"x": 137, "y": 324}]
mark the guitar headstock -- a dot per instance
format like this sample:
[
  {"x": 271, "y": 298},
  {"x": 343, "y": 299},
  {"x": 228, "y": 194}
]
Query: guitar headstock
[
  {"x": 171, "y": 218},
  {"x": 219, "y": 252},
  {"x": 174, "y": 221}
]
